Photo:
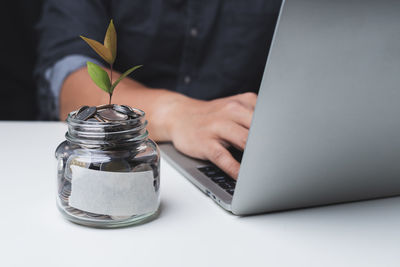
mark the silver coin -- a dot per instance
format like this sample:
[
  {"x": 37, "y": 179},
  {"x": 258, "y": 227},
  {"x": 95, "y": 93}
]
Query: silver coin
[
  {"x": 81, "y": 109},
  {"x": 97, "y": 216},
  {"x": 75, "y": 212},
  {"x": 112, "y": 115},
  {"x": 64, "y": 198},
  {"x": 60, "y": 171},
  {"x": 125, "y": 110},
  {"x": 65, "y": 193},
  {"x": 98, "y": 118},
  {"x": 132, "y": 114},
  {"x": 67, "y": 189},
  {"x": 76, "y": 161},
  {"x": 115, "y": 166},
  {"x": 86, "y": 113},
  {"x": 105, "y": 106}
]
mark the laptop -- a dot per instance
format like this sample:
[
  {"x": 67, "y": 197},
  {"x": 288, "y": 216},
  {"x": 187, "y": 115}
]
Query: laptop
[{"x": 326, "y": 127}]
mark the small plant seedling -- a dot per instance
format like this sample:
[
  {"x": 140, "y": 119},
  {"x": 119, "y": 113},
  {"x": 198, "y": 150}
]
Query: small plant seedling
[{"x": 108, "y": 52}]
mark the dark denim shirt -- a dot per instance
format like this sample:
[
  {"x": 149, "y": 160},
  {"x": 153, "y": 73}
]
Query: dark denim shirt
[{"x": 205, "y": 49}]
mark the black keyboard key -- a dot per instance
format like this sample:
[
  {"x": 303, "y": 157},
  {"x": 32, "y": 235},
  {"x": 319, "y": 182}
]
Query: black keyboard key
[
  {"x": 211, "y": 171},
  {"x": 232, "y": 186},
  {"x": 225, "y": 186},
  {"x": 231, "y": 181},
  {"x": 230, "y": 191},
  {"x": 214, "y": 173},
  {"x": 219, "y": 179},
  {"x": 207, "y": 169}
]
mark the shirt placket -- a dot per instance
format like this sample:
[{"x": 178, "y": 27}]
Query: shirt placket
[{"x": 187, "y": 70}]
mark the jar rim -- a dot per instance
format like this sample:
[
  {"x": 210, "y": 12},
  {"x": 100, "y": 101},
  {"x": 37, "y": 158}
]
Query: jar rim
[
  {"x": 70, "y": 118},
  {"x": 112, "y": 133}
]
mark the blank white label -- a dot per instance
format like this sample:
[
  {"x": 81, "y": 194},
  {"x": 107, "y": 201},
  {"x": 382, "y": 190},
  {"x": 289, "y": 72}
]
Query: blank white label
[{"x": 113, "y": 193}]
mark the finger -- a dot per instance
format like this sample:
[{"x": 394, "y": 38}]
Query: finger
[
  {"x": 221, "y": 157},
  {"x": 248, "y": 99},
  {"x": 239, "y": 114},
  {"x": 233, "y": 133}
]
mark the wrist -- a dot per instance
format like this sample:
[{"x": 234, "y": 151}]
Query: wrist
[{"x": 170, "y": 107}]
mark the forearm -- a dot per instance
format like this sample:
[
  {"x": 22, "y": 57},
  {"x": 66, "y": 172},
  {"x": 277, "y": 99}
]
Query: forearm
[{"x": 78, "y": 90}]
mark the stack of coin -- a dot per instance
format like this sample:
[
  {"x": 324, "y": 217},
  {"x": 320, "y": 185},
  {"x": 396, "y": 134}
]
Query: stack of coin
[
  {"x": 106, "y": 113},
  {"x": 127, "y": 123},
  {"x": 103, "y": 113}
]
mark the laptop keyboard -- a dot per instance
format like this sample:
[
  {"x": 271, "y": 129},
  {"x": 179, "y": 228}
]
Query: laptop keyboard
[
  {"x": 222, "y": 179},
  {"x": 219, "y": 177}
]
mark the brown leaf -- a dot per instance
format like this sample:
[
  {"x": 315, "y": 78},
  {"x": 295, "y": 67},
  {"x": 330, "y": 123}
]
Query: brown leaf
[
  {"x": 110, "y": 40},
  {"x": 100, "y": 49}
]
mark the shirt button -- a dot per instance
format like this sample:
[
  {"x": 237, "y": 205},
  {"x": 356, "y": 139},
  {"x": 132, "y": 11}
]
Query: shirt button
[
  {"x": 187, "y": 79},
  {"x": 194, "y": 32}
]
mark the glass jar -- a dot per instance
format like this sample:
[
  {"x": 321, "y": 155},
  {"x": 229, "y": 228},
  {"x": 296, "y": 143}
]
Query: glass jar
[{"x": 108, "y": 172}]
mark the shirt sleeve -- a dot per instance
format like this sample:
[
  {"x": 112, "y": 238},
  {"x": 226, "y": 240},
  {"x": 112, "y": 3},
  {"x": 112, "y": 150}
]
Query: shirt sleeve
[
  {"x": 56, "y": 75},
  {"x": 61, "y": 50}
]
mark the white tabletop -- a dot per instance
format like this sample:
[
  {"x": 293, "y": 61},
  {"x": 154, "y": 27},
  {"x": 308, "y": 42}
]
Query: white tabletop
[{"x": 190, "y": 231}]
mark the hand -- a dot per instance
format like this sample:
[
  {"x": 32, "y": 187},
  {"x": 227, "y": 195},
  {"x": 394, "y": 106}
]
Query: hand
[
  {"x": 201, "y": 129},
  {"x": 204, "y": 129}
]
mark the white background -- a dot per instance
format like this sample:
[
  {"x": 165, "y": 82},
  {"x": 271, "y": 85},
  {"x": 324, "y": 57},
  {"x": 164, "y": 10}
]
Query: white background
[{"x": 190, "y": 231}]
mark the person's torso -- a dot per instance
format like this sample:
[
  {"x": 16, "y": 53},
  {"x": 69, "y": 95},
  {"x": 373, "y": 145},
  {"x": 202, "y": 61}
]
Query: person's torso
[{"x": 204, "y": 49}]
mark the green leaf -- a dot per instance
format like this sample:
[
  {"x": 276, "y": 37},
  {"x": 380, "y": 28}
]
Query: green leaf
[
  {"x": 110, "y": 40},
  {"x": 126, "y": 73},
  {"x": 99, "y": 76},
  {"x": 100, "y": 49}
]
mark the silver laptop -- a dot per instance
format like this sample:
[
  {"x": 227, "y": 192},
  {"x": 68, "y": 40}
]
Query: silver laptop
[{"x": 326, "y": 127}]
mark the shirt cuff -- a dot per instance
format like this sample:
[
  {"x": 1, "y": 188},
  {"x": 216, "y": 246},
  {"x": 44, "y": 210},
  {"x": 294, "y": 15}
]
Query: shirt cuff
[{"x": 56, "y": 74}]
